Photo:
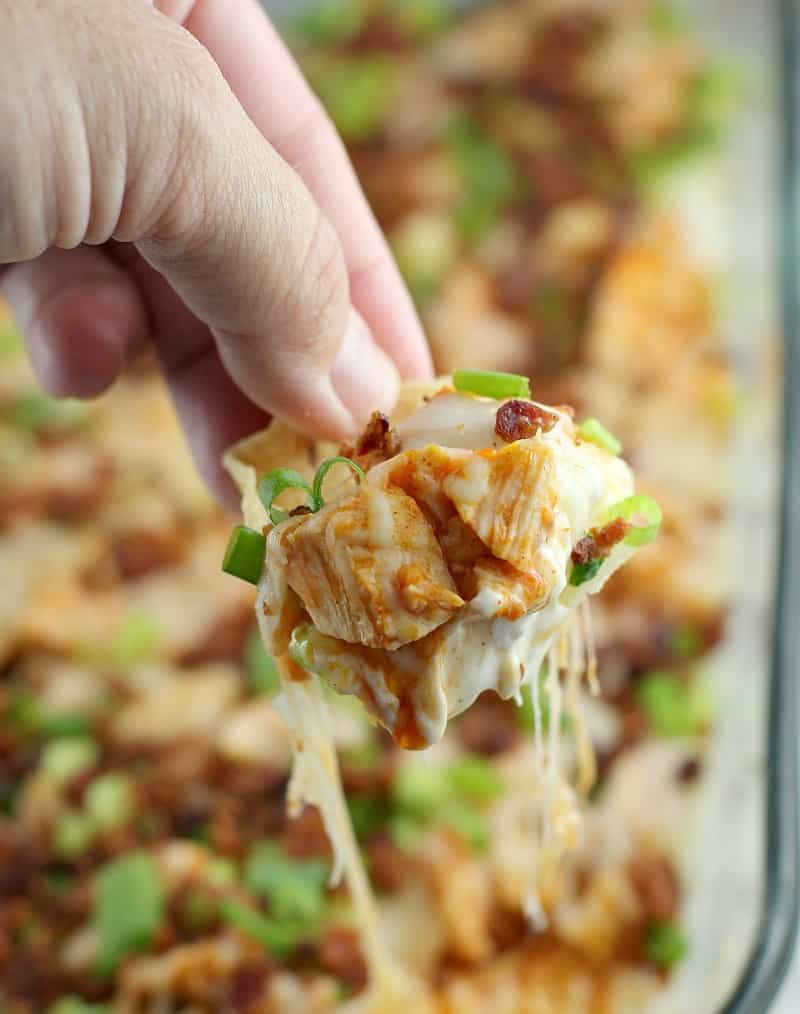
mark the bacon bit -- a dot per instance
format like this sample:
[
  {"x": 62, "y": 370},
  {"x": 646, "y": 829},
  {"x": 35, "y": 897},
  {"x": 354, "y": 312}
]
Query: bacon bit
[
  {"x": 305, "y": 836},
  {"x": 340, "y": 954},
  {"x": 377, "y": 443},
  {"x": 586, "y": 550},
  {"x": 609, "y": 535},
  {"x": 689, "y": 771},
  {"x": 141, "y": 552},
  {"x": 656, "y": 883},
  {"x": 600, "y": 541},
  {"x": 247, "y": 987},
  {"x": 507, "y": 926},
  {"x": 517, "y": 420},
  {"x": 389, "y": 865}
]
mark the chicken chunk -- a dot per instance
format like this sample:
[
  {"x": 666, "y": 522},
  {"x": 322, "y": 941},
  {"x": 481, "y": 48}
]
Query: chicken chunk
[{"x": 369, "y": 570}]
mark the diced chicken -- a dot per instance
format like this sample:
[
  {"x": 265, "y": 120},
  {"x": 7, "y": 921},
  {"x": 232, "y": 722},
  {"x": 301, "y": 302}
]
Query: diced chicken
[
  {"x": 507, "y": 497},
  {"x": 369, "y": 570}
]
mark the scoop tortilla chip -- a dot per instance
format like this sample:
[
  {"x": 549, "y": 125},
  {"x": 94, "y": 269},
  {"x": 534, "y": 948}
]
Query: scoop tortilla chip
[{"x": 280, "y": 446}]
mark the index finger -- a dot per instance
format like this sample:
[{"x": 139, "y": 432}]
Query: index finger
[{"x": 276, "y": 96}]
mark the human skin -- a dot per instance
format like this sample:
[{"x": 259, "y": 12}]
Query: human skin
[{"x": 167, "y": 176}]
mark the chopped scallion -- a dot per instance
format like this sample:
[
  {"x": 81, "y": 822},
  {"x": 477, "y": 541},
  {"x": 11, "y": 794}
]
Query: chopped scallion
[
  {"x": 665, "y": 944},
  {"x": 642, "y": 513},
  {"x": 583, "y": 572},
  {"x": 278, "y": 481},
  {"x": 280, "y": 940},
  {"x": 475, "y": 778},
  {"x": 128, "y": 907},
  {"x": 262, "y": 672},
  {"x": 74, "y": 1005},
  {"x": 110, "y": 801},
  {"x": 244, "y": 556},
  {"x": 491, "y": 384},
  {"x": 467, "y": 822},
  {"x": 295, "y": 889},
  {"x": 596, "y": 433},
  {"x": 63, "y": 759},
  {"x": 300, "y": 646},
  {"x": 323, "y": 470},
  {"x": 73, "y": 834}
]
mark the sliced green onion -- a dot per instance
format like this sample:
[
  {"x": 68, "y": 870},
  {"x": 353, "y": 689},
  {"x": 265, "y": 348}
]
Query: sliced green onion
[
  {"x": 63, "y": 759},
  {"x": 138, "y": 639},
  {"x": 420, "y": 790},
  {"x": 280, "y": 940},
  {"x": 674, "y": 708},
  {"x": 406, "y": 831},
  {"x": 491, "y": 384},
  {"x": 74, "y": 1005},
  {"x": 583, "y": 572},
  {"x": 665, "y": 944},
  {"x": 128, "y": 908},
  {"x": 323, "y": 470},
  {"x": 368, "y": 814},
  {"x": 110, "y": 801},
  {"x": 475, "y": 778},
  {"x": 73, "y": 834},
  {"x": 221, "y": 871},
  {"x": 244, "y": 556},
  {"x": 640, "y": 511},
  {"x": 596, "y": 433},
  {"x": 295, "y": 889},
  {"x": 278, "y": 481},
  {"x": 467, "y": 822},
  {"x": 300, "y": 646},
  {"x": 262, "y": 672}
]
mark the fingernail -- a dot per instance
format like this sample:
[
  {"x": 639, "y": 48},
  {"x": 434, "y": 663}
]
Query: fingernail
[{"x": 363, "y": 376}]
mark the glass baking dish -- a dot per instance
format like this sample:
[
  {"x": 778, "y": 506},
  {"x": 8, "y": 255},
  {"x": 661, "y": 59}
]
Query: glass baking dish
[{"x": 740, "y": 857}]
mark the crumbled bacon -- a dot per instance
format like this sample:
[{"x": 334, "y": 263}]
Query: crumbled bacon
[
  {"x": 656, "y": 883},
  {"x": 340, "y": 954},
  {"x": 517, "y": 420},
  {"x": 390, "y": 867},
  {"x": 377, "y": 443},
  {"x": 600, "y": 541}
]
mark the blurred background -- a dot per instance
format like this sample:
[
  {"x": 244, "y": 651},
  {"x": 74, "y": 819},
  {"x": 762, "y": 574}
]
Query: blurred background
[{"x": 545, "y": 172}]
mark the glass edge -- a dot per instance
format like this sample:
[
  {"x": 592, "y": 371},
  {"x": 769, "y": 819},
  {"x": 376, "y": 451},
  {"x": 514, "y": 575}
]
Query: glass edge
[{"x": 774, "y": 946}]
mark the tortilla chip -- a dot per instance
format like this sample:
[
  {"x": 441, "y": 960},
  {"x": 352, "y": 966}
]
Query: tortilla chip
[{"x": 280, "y": 446}]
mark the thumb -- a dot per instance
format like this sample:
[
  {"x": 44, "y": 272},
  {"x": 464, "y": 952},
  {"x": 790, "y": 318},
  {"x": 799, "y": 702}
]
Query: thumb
[{"x": 241, "y": 240}]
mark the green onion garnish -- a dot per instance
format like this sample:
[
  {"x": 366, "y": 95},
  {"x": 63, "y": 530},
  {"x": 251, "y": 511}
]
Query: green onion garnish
[
  {"x": 110, "y": 801},
  {"x": 74, "y": 1005},
  {"x": 300, "y": 646},
  {"x": 63, "y": 759},
  {"x": 583, "y": 572},
  {"x": 596, "y": 433},
  {"x": 642, "y": 513},
  {"x": 294, "y": 888},
  {"x": 490, "y": 384},
  {"x": 475, "y": 778},
  {"x": 73, "y": 834},
  {"x": 467, "y": 822},
  {"x": 323, "y": 470},
  {"x": 279, "y": 940},
  {"x": 261, "y": 670},
  {"x": 665, "y": 944},
  {"x": 674, "y": 708},
  {"x": 244, "y": 556},
  {"x": 128, "y": 907},
  {"x": 275, "y": 483}
]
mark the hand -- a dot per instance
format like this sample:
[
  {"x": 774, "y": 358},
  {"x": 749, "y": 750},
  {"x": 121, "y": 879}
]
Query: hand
[{"x": 167, "y": 174}]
